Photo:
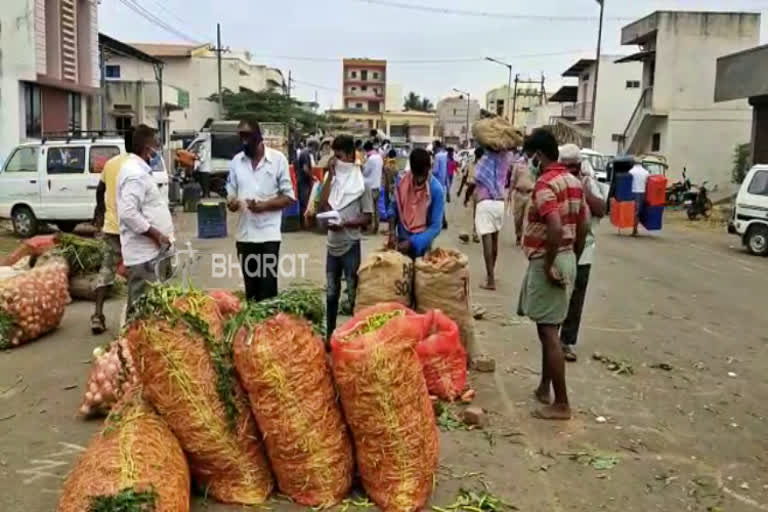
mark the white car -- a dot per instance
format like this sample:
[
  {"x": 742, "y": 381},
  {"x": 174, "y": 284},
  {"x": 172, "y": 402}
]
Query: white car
[
  {"x": 55, "y": 181},
  {"x": 750, "y": 214},
  {"x": 599, "y": 163}
]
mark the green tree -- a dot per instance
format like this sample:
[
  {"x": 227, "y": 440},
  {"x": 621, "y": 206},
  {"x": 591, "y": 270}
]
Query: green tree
[
  {"x": 271, "y": 107},
  {"x": 415, "y": 102},
  {"x": 740, "y": 163}
]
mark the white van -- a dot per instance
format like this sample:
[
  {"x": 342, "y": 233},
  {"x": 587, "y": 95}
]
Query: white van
[
  {"x": 55, "y": 181},
  {"x": 750, "y": 214}
]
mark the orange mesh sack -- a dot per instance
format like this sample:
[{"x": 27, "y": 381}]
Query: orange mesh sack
[
  {"x": 441, "y": 282},
  {"x": 177, "y": 342},
  {"x": 284, "y": 369},
  {"x": 442, "y": 357},
  {"x": 387, "y": 406},
  {"x": 135, "y": 460},
  {"x": 112, "y": 375},
  {"x": 229, "y": 304},
  {"x": 32, "y": 303}
]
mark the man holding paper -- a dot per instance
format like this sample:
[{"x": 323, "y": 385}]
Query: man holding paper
[{"x": 347, "y": 207}]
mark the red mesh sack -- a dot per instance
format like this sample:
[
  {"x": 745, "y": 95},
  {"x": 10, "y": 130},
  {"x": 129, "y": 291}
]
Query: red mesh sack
[
  {"x": 229, "y": 304},
  {"x": 442, "y": 357},
  {"x": 387, "y": 405},
  {"x": 283, "y": 367}
]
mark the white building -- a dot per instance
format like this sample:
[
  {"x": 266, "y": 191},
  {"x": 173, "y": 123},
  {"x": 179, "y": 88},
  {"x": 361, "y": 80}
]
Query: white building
[
  {"x": 677, "y": 115},
  {"x": 617, "y": 94},
  {"x": 128, "y": 98},
  {"x": 193, "y": 68},
  {"x": 48, "y": 67},
  {"x": 456, "y": 115},
  {"x": 523, "y": 98},
  {"x": 394, "y": 101}
]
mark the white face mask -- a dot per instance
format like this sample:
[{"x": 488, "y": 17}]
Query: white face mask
[{"x": 344, "y": 167}]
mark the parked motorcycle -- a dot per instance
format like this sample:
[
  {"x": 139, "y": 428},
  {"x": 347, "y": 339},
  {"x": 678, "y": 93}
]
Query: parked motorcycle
[
  {"x": 676, "y": 192},
  {"x": 697, "y": 202}
]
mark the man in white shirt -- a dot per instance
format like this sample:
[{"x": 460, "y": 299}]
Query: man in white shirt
[
  {"x": 259, "y": 187},
  {"x": 374, "y": 165},
  {"x": 146, "y": 226},
  {"x": 639, "y": 183},
  {"x": 594, "y": 198}
]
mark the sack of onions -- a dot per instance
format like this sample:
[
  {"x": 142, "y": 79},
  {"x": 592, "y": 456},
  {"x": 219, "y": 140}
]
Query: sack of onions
[
  {"x": 33, "y": 303},
  {"x": 112, "y": 374},
  {"x": 176, "y": 338},
  {"x": 134, "y": 464}
]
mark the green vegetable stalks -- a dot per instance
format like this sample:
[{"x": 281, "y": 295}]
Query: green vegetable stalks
[
  {"x": 305, "y": 303},
  {"x": 375, "y": 322},
  {"x": 84, "y": 255},
  {"x": 127, "y": 500}
]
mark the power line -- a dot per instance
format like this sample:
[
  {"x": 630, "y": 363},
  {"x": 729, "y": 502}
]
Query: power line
[
  {"x": 162, "y": 8},
  {"x": 425, "y": 61},
  {"x": 484, "y": 14},
  {"x": 144, "y": 13},
  {"x": 310, "y": 84}
]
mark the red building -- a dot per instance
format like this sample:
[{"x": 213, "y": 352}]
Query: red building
[{"x": 364, "y": 84}]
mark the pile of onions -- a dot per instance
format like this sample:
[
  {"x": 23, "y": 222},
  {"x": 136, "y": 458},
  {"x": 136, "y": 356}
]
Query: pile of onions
[
  {"x": 36, "y": 300},
  {"x": 112, "y": 374}
]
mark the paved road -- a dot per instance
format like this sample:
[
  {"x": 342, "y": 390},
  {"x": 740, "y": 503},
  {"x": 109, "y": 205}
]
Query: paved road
[{"x": 686, "y": 439}]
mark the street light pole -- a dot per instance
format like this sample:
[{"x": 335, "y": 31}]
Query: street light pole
[
  {"x": 510, "y": 116},
  {"x": 597, "y": 67},
  {"x": 469, "y": 96}
]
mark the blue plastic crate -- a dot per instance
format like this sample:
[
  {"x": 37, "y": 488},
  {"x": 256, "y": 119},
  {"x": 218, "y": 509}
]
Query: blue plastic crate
[
  {"x": 651, "y": 217},
  {"x": 292, "y": 211},
  {"x": 624, "y": 187},
  {"x": 211, "y": 220}
]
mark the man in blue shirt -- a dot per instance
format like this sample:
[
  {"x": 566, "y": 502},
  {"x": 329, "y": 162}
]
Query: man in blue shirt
[
  {"x": 440, "y": 169},
  {"x": 417, "y": 212}
]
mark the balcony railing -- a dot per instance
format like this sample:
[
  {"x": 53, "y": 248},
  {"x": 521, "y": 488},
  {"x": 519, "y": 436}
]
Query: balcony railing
[
  {"x": 643, "y": 105},
  {"x": 584, "y": 111}
]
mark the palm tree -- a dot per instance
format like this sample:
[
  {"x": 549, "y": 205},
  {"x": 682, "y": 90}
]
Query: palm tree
[{"x": 412, "y": 101}]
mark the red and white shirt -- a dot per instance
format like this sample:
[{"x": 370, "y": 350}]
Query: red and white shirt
[{"x": 556, "y": 191}]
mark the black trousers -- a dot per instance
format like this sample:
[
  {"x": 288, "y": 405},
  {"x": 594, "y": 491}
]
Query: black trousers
[
  {"x": 569, "y": 334},
  {"x": 204, "y": 178},
  {"x": 259, "y": 263}
]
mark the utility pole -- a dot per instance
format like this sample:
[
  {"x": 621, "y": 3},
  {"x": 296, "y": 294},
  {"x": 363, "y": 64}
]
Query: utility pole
[
  {"x": 514, "y": 99},
  {"x": 597, "y": 67},
  {"x": 469, "y": 99},
  {"x": 290, "y": 83},
  {"x": 219, "y": 50},
  {"x": 509, "y": 84}
]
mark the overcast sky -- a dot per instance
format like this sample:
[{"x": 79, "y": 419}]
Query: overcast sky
[{"x": 311, "y": 37}]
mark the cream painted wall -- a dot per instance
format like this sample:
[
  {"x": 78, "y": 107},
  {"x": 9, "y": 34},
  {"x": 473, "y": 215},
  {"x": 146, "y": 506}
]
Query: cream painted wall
[
  {"x": 18, "y": 48},
  {"x": 615, "y": 102}
]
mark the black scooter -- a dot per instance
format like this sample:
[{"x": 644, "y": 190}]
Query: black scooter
[{"x": 697, "y": 202}]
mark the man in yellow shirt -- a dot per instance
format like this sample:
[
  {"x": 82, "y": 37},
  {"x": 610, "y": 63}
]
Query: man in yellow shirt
[{"x": 106, "y": 213}]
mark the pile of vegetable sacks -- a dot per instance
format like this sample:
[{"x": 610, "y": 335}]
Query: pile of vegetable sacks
[
  {"x": 33, "y": 303},
  {"x": 112, "y": 374},
  {"x": 283, "y": 367},
  {"x": 387, "y": 405},
  {"x": 177, "y": 341},
  {"x": 134, "y": 464}
]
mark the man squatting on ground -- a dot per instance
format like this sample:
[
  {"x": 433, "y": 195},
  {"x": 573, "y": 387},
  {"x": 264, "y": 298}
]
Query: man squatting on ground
[
  {"x": 259, "y": 187},
  {"x": 553, "y": 242},
  {"x": 352, "y": 200}
]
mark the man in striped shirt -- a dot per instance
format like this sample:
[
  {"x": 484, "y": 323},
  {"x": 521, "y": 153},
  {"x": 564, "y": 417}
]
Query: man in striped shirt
[{"x": 553, "y": 241}]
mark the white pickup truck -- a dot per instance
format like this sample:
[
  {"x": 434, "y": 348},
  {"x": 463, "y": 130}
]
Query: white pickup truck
[{"x": 55, "y": 181}]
